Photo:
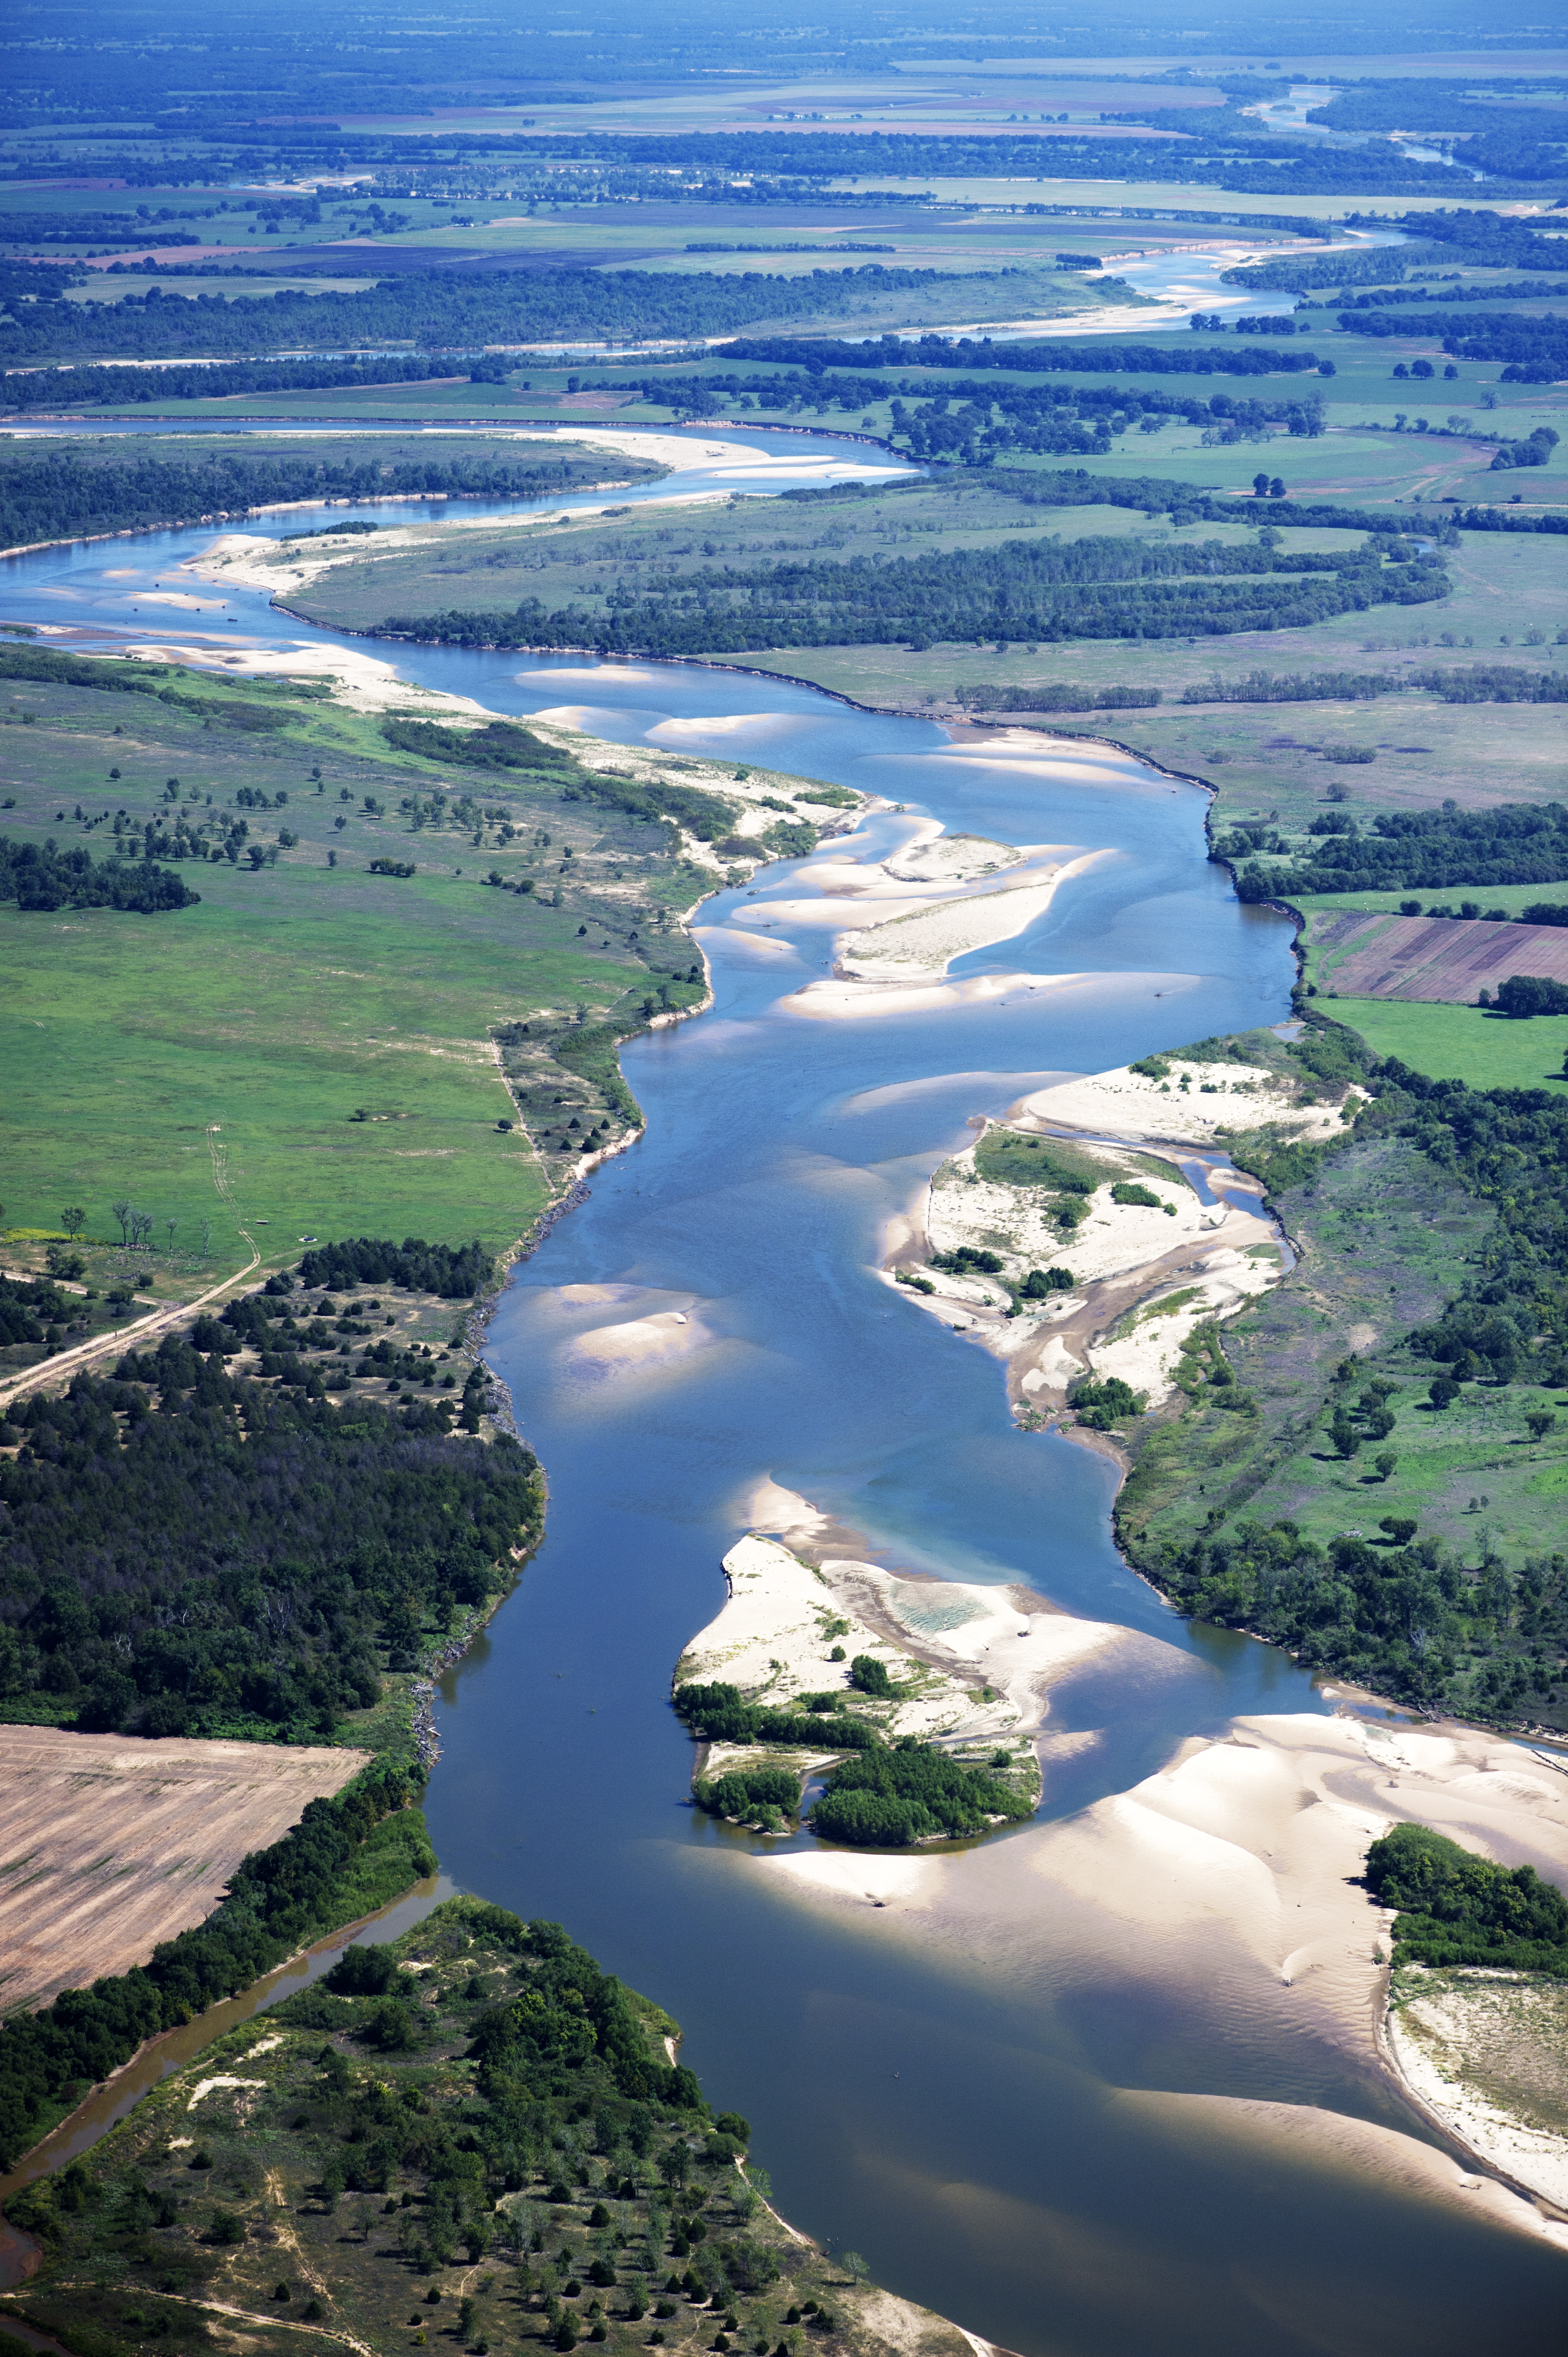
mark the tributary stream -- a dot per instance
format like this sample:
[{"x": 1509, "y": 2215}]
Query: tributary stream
[{"x": 1065, "y": 2140}]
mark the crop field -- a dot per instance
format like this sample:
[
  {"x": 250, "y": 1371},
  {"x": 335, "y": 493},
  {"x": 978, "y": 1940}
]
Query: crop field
[
  {"x": 109, "y": 1845},
  {"x": 1448, "y": 959}
]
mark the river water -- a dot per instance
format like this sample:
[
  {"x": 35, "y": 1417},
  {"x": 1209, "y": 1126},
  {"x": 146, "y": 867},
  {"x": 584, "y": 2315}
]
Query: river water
[{"x": 1060, "y": 2143}]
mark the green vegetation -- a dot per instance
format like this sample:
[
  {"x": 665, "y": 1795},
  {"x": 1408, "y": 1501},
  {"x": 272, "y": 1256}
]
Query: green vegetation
[
  {"x": 1434, "y": 1232},
  {"x": 345, "y": 1857},
  {"x": 1456, "y": 1909},
  {"x": 760, "y": 1797},
  {"x": 913, "y": 1794},
  {"x": 718, "y": 1713},
  {"x": 47, "y": 880},
  {"x": 54, "y": 489},
  {"x": 1102, "y": 1406},
  {"x": 1510, "y": 843},
  {"x": 246, "y": 1480},
  {"x": 473, "y": 2131},
  {"x": 213, "y": 1066},
  {"x": 1086, "y": 589},
  {"x": 1459, "y": 1043}
]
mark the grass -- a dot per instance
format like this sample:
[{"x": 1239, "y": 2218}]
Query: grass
[
  {"x": 1461, "y": 1043},
  {"x": 141, "y": 1050}
]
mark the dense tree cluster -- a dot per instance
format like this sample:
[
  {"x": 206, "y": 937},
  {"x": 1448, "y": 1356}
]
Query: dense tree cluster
[
  {"x": 1457, "y": 1909},
  {"x": 1512, "y": 843},
  {"x": 28, "y": 1306},
  {"x": 911, "y": 1793},
  {"x": 720, "y": 1714},
  {"x": 1035, "y": 591},
  {"x": 455, "y": 1271},
  {"x": 39, "y": 876},
  {"x": 187, "y": 1552},
  {"x": 1096, "y": 356},
  {"x": 279, "y": 1899},
  {"x": 74, "y": 388},
  {"x": 568, "y": 2014},
  {"x": 499, "y": 745},
  {"x": 438, "y": 314},
  {"x": 50, "y": 491}
]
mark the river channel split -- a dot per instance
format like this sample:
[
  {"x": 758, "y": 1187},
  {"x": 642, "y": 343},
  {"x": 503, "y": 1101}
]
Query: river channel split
[{"x": 1046, "y": 2123}]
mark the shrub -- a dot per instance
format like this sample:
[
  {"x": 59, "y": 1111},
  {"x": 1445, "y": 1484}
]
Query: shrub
[
  {"x": 1101, "y": 1405},
  {"x": 1130, "y": 1190}
]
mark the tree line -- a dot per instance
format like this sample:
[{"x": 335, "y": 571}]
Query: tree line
[
  {"x": 1095, "y": 356},
  {"x": 1512, "y": 843},
  {"x": 1096, "y": 588},
  {"x": 436, "y": 313},
  {"x": 50, "y": 491}
]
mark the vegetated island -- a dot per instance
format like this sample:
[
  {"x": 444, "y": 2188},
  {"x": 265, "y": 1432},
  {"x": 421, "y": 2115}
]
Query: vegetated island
[
  {"x": 874, "y": 1711},
  {"x": 471, "y": 2130}
]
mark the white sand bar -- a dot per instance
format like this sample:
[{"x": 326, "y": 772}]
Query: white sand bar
[{"x": 1216, "y": 1097}]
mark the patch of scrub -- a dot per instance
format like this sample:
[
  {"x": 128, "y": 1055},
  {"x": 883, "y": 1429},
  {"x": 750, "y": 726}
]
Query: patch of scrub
[{"x": 1486, "y": 2053}]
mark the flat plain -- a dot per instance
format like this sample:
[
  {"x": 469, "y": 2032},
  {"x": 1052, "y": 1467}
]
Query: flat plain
[{"x": 109, "y": 1843}]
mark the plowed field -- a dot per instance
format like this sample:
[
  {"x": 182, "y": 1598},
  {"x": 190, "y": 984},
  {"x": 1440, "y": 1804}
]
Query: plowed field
[
  {"x": 109, "y": 1845},
  {"x": 1448, "y": 959}
]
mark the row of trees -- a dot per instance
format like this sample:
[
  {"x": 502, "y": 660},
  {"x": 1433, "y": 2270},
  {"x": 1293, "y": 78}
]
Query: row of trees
[
  {"x": 1028, "y": 591},
  {"x": 437, "y": 311},
  {"x": 51, "y": 491}
]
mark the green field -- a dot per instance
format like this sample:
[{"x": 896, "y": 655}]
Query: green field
[
  {"x": 1461, "y": 1043},
  {"x": 295, "y": 995}
]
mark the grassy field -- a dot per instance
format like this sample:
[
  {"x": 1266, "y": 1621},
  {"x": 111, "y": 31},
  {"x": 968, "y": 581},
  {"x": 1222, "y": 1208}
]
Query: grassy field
[
  {"x": 209, "y": 1063},
  {"x": 1461, "y": 1043}
]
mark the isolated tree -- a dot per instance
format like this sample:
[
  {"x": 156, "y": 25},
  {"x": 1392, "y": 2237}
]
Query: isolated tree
[
  {"x": 121, "y": 1212},
  {"x": 1541, "y": 1421},
  {"x": 1385, "y": 1461},
  {"x": 73, "y": 1220},
  {"x": 170, "y": 1226},
  {"x": 1400, "y": 1528},
  {"x": 855, "y": 2267},
  {"x": 1344, "y": 1434}
]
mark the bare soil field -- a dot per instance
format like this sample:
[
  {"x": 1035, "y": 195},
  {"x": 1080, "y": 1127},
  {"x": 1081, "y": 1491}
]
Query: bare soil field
[
  {"x": 1446, "y": 960},
  {"x": 109, "y": 1845}
]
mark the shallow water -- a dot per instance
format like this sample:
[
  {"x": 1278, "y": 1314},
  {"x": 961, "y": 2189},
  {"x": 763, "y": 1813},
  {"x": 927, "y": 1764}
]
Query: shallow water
[{"x": 1072, "y": 2144}]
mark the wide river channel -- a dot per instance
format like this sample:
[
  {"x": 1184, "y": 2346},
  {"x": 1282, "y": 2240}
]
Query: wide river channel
[{"x": 1065, "y": 2141}]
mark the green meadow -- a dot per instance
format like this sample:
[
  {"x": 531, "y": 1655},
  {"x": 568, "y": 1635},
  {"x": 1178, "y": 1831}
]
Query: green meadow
[
  {"x": 209, "y": 1063},
  {"x": 1461, "y": 1043}
]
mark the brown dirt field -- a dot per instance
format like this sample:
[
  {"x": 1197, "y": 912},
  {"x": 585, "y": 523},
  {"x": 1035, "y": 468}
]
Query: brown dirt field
[
  {"x": 109, "y": 1845},
  {"x": 1446, "y": 960}
]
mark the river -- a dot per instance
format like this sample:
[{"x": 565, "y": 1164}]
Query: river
[{"x": 1069, "y": 2143}]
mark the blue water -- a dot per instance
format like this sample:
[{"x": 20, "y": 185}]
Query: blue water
[{"x": 1024, "y": 2134}]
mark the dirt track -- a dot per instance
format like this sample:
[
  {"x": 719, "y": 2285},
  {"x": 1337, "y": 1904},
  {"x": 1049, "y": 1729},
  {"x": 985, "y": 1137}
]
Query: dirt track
[{"x": 109, "y": 1845}]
